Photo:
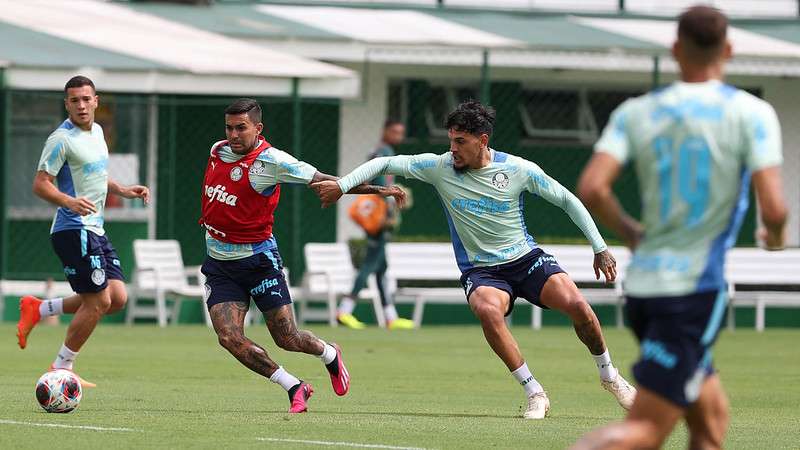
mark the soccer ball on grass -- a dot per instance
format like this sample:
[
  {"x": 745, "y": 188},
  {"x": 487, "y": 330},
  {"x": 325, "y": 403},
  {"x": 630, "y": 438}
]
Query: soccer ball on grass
[{"x": 58, "y": 391}]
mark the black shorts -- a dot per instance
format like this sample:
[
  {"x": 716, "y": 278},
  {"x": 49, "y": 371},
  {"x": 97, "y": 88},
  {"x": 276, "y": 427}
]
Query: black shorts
[
  {"x": 89, "y": 260},
  {"x": 259, "y": 277},
  {"x": 675, "y": 335},
  {"x": 524, "y": 277}
]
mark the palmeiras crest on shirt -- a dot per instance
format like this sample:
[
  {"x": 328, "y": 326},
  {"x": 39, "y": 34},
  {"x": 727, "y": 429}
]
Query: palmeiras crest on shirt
[
  {"x": 500, "y": 180},
  {"x": 258, "y": 168},
  {"x": 236, "y": 173}
]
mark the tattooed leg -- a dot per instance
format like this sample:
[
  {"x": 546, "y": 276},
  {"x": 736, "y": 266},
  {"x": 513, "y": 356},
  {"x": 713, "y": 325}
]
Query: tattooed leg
[
  {"x": 589, "y": 332},
  {"x": 280, "y": 322},
  {"x": 561, "y": 294},
  {"x": 228, "y": 320}
]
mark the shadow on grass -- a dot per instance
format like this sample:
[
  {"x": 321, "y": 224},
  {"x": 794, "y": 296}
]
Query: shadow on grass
[{"x": 413, "y": 414}]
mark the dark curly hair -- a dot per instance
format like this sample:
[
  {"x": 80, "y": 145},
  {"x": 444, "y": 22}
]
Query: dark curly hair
[{"x": 471, "y": 117}]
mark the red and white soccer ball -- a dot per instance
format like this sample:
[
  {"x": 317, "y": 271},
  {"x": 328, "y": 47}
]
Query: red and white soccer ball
[{"x": 59, "y": 391}]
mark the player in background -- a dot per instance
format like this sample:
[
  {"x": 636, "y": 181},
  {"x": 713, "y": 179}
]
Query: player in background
[
  {"x": 482, "y": 193},
  {"x": 241, "y": 189},
  {"x": 375, "y": 260},
  {"x": 72, "y": 174},
  {"x": 695, "y": 145}
]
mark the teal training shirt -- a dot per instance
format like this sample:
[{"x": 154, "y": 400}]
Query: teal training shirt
[
  {"x": 483, "y": 206},
  {"x": 78, "y": 159},
  {"x": 693, "y": 146}
]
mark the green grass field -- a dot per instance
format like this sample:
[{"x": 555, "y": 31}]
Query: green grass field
[{"x": 439, "y": 387}]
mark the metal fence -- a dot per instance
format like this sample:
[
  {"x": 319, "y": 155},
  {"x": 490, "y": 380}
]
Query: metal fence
[
  {"x": 164, "y": 141},
  {"x": 555, "y": 127},
  {"x": 547, "y": 118},
  {"x": 186, "y": 127}
]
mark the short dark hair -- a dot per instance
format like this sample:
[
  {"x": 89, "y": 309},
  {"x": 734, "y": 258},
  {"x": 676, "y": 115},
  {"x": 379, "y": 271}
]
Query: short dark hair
[
  {"x": 79, "y": 81},
  {"x": 705, "y": 28},
  {"x": 245, "y": 106},
  {"x": 471, "y": 117},
  {"x": 390, "y": 122}
]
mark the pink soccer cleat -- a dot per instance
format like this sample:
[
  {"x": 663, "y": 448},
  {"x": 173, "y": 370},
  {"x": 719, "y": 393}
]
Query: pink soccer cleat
[
  {"x": 340, "y": 377},
  {"x": 300, "y": 397}
]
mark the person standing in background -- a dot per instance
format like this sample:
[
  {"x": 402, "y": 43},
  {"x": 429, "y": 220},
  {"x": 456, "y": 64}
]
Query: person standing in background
[{"x": 375, "y": 260}]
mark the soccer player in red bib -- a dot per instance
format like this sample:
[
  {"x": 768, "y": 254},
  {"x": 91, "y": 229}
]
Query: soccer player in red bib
[{"x": 240, "y": 193}]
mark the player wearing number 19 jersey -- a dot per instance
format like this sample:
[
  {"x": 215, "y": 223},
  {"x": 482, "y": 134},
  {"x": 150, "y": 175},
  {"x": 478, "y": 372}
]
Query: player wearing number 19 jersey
[{"x": 695, "y": 146}]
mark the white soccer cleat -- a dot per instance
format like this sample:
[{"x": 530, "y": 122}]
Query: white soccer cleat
[
  {"x": 622, "y": 391},
  {"x": 538, "y": 406}
]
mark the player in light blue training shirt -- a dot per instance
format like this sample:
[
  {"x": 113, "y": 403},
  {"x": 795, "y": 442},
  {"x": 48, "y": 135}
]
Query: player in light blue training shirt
[
  {"x": 482, "y": 191},
  {"x": 72, "y": 174},
  {"x": 695, "y": 145}
]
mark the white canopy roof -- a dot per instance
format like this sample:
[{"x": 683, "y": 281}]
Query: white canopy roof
[
  {"x": 376, "y": 26},
  {"x": 663, "y": 32},
  {"x": 196, "y": 61}
]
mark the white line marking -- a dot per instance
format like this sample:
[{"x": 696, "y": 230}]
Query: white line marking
[
  {"x": 58, "y": 425},
  {"x": 338, "y": 444}
]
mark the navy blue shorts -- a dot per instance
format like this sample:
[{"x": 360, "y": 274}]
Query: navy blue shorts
[
  {"x": 524, "y": 277},
  {"x": 89, "y": 260},
  {"x": 675, "y": 335},
  {"x": 259, "y": 277}
]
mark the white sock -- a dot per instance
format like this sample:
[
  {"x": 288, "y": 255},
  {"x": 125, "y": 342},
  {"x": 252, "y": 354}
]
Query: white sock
[
  {"x": 284, "y": 378},
  {"x": 51, "y": 307},
  {"x": 525, "y": 378},
  {"x": 328, "y": 353},
  {"x": 390, "y": 313},
  {"x": 347, "y": 305},
  {"x": 65, "y": 358},
  {"x": 607, "y": 370}
]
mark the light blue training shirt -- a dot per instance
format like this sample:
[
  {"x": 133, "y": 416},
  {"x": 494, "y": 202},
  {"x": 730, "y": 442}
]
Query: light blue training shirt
[
  {"x": 78, "y": 159},
  {"x": 483, "y": 206},
  {"x": 694, "y": 147}
]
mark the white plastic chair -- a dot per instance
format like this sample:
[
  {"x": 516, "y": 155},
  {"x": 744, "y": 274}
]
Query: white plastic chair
[
  {"x": 330, "y": 273},
  {"x": 159, "y": 274}
]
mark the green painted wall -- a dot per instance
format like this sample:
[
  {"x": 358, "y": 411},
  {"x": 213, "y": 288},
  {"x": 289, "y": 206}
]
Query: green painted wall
[
  {"x": 32, "y": 256},
  {"x": 545, "y": 222},
  {"x": 4, "y": 144}
]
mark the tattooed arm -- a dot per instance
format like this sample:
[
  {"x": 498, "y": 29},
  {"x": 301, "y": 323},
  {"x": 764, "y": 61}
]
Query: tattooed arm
[{"x": 384, "y": 191}]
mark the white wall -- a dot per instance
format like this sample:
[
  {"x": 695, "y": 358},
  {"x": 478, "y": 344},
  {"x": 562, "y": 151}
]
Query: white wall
[
  {"x": 360, "y": 124},
  {"x": 784, "y": 95}
]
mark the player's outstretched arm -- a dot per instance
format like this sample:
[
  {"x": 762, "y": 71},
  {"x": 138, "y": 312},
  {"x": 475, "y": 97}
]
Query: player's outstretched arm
[
  {"x": 134, "y": 191},
  {"x": 423, "y": 167},
  {"x": 44, "y": 188},
  {"x": 353, "y": 183},
  {"x": 594, "y": 189},
  {"x": 329, "y": 191}
]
